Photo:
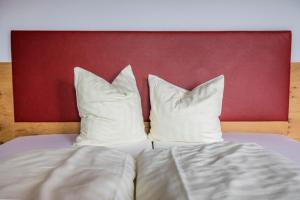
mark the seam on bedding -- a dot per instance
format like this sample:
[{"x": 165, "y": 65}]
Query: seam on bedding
[
  {"x": 46, "y": 179},
  {"x": 122, "y": 177},
  {"x": 179, "y": 174}
]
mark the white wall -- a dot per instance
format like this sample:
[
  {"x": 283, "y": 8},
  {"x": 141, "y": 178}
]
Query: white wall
[{"x": 148, "y": 15}]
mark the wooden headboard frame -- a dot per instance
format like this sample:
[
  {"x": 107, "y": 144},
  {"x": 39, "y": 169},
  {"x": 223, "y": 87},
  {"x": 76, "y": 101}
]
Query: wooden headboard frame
[{"x": 10, "y": 129}]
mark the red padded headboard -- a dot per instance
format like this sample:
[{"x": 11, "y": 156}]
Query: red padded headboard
[{"x": 255, "y": 64}]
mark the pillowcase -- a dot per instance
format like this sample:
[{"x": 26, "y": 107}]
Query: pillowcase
[
  {"x": 110, "y": 113},
  {"x": 179, "y": 115}
]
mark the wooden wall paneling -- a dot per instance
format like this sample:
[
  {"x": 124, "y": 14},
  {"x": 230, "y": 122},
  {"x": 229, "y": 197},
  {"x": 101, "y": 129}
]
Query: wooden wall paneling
[
  {"x": 277, "y": 127},
  {"x": 6, "y": 103},
  {"x": 294, "y": 102},
  {"x": 40, "y": 128},
  {"x": 43, "y": 128}
]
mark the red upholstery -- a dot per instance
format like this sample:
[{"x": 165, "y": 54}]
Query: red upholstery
[{"x": 255, "y": 64}]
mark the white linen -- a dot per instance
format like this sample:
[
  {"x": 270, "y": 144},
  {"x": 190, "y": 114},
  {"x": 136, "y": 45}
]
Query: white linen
[
  {"x": 225, "y": 171},
  {"x": 59, "y": 141},
  {"x": 110, "y": 113},
  {"x": 79, "y": 173},
  {"x": 275, "y": 143},
  {"x": 185, "y": 116}
]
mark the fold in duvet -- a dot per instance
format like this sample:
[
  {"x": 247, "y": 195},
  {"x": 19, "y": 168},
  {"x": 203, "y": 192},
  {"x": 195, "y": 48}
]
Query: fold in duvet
[
  {"x": 82, "y": 173},
  {"x": 227, "y": 171}
]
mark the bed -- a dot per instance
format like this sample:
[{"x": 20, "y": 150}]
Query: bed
[
  {"x": 273, "y": 142},
  {"x": 38, "y": 101}
]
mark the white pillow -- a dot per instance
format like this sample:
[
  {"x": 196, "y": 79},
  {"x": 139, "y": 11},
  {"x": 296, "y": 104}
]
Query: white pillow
[
  {"x": 179, "y": 115},
  {"x": 110, "y": 113}
]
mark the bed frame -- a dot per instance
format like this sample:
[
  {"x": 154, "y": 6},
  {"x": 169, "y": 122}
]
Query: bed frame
[{"x": 10, "y": 129}]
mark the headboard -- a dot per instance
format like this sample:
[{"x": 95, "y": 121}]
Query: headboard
[{"x": 256, "y": 65}]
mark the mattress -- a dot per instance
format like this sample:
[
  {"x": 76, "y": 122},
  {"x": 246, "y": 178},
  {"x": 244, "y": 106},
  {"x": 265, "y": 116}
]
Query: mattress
[
  {"x": 59, "y": 141},
  {"x": 275, "y": 143}
]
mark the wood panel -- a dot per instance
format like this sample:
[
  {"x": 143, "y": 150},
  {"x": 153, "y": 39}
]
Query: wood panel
[
  {"x": 277, "y": 127},
  {"x": 38, "y": 128},
  {"x": 6, "y": 103},
  {"x": 294, "y": 104},
  {"x": 9, "y": 129},
  {"x": 42, "y": 128}
]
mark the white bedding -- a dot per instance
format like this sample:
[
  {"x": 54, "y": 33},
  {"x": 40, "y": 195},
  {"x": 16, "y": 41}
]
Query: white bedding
[
  {"x": 225, "y": 171},
  {"x": 280, "y": 144},
  {"x": 73, "y": 173},
  {"x": 24, "y": 144}
]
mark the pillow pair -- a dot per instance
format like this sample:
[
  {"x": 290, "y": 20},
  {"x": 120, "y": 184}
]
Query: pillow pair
[{"x": 111, "y": 113}]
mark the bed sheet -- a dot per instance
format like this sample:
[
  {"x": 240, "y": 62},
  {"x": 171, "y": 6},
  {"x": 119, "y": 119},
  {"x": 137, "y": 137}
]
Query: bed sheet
[
  {"x": 275, "y": 143},
  {"x": 59, "y": 141},
  {"x": 87, "y": 172}
]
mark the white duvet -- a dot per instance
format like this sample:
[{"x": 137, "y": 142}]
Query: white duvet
[
  {"x": 223, "y": 171},
  {"x": 82, "y": 173}
]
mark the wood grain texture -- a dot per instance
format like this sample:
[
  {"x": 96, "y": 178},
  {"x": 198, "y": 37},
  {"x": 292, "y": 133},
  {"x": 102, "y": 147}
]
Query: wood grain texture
[
  {"x": 39, "y": 128},
  {"x": 294, "y": 103},
  {"x": 6, "y": 103},
  {"x": 277, "y": 127},
  {"x": 10, "y": 129},
  {"x": 43, "y": 128}
]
